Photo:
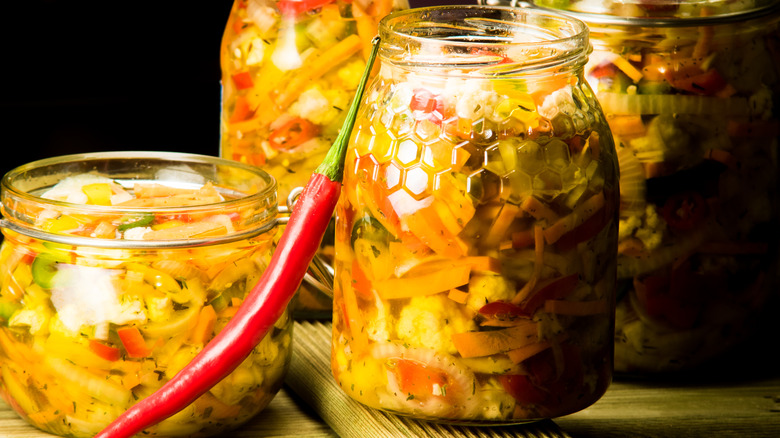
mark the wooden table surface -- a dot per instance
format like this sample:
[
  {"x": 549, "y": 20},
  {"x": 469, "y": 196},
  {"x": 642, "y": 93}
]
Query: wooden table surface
[{"x": 730, "y": 403}]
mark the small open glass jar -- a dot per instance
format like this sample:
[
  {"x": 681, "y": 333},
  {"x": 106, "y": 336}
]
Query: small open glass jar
[
  {"x": 115, "y": 270},
  {"x": 477, "y": 229},
  {"x": 690, "y": 90}
]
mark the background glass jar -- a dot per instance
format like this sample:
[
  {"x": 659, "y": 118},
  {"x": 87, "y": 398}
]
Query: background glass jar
[
  {"x": 476, "y": 233},
  {"x": 690, "y": 90},
  {"x": 115, "y": 270},
  {"x": 289, "y": 71}
]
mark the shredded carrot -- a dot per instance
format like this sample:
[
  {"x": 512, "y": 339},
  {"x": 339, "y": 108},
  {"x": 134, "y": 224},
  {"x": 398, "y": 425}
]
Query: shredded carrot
[
  {"x": 421, "y": 285},
  {"x": 576, "y": 308},
  {"x": 538, "y": 209},
  {"x": 428, "y": 227},
  {"x": 354, "y": 319},
  {"x": 185, "y": 231},
  {"x": 366, "y": 27},
  {"x": 500, "y": 226},
  {"x": 704, "y": 44},
  {"x": 626, "y": 67},
  {"x": 525, "y": 291},
  {"x": 205, "y": 325},
  {"x": 486, "y": 343},
  {"x": 154, "y": 190},
  {"x": 316, "y": 68},
  {"x": 133, "y": 341},
  {"x": 458, "y": 296},
  {"x": 580, "y": 214},
  {"x": 520, "y": 354},
  {"x": 483, "y": 263}
]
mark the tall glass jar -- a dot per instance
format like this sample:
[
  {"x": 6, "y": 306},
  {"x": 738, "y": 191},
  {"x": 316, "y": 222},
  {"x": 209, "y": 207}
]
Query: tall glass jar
[
  {"x": 690, "y": 90},
  {"x": 115, "y": 270},
  {"x": 477, "y": 229},
  {"x": 289, "y": 71}
]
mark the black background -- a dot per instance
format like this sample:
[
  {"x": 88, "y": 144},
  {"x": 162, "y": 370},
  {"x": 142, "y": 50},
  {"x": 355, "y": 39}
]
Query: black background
[{"x": 85, "y": 76}]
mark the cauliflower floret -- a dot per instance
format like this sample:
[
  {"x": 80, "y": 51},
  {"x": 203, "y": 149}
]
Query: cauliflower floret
[
  {"x": 476, "y": 100},
  {"x": 136, "y": 233},
  {"x": 87, "y": 296},
  {"x": 648, "y": 228},
  {"x": 488, "y": 287},
  {"x": 627, "y": 226},
  {"x": 430, "y": 322},
  {"x": 320, "y": 106},
  {"x": 379, "y": 322}
]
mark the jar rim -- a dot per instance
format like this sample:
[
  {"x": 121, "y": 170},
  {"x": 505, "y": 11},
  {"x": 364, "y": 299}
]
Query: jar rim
[
  {"x": 605, "y": 16},
  {"x": 468, "y": 37},
  {"x": 13, "y": 192}
]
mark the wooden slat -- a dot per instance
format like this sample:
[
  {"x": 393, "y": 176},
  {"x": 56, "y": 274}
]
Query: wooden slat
[{"x": 310, "y": 377}]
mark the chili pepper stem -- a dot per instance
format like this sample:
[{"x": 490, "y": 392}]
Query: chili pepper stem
[
  {"x": 333, "y": 164},
  {"x": 266, "y": 302}
]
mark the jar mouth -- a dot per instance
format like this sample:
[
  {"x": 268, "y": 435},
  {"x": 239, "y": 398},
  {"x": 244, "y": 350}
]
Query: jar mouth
[
  {"x": 246, "y": 190},
  {"x": 658, "y": 13},
  {"x": 483, "y": 40}
]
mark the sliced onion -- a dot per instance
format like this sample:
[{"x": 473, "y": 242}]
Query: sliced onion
[{"x": 461, "y": 402}]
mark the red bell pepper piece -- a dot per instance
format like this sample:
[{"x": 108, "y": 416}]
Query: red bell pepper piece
[
  {"x": 133, "y": 341},
  {"x": 243, "y": 80},
  {"x": 419, "y": 379},
  {"x": 104, "y": 351},
  {"x": 522, "y": 389},
  {"x": 554, "y": 289},
  {"x": 293, "y": 133}
]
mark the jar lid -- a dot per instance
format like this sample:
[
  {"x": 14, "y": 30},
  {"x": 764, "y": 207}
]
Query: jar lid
[{"x": 663, "y": 12}]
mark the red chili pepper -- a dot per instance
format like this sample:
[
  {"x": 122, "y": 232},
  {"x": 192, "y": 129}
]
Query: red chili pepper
[
  {"x": 266, "y": 302},
  {"x": 292, "y": 133}
]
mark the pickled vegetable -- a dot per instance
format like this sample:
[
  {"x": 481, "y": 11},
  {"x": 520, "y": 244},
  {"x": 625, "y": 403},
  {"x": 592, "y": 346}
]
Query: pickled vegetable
[
  {"x": 86, "y": 331},
  {"x": 475, "y": 237},
  {"x": 688, "y": 90},
  {"x": 290, "y": 69}
]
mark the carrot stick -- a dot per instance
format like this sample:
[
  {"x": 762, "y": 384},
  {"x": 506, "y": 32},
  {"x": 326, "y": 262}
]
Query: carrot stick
[
  {"x": 538, "y": 210},
  {"x": 478, "y": 344},
  {"x": 528, "y": 287},
  {"x": 426, "y": 284},
  {"x": 574, "y": 219},
  {"x": 318, "y": 67},
  {"x": 205, "y": 325}
]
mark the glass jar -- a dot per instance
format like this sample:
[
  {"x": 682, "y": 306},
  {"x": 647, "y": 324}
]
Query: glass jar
[
  {"x": 115, "y": 270},
  {"x": 690, "y": 90},
  {"x": 477, "y": 228},
  {"x": 289, "y": 71}
]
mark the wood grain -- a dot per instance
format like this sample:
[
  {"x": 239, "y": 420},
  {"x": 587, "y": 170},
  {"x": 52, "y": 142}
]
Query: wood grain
[{"x": 312, "y": 406}]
